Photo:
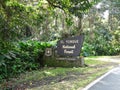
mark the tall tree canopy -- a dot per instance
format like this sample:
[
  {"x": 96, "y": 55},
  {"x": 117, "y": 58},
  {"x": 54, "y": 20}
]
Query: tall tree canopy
[{"x": 17, "y": 17}]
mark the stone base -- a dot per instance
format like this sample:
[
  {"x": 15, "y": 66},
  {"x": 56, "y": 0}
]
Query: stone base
[{"x": 63, "y": 62}]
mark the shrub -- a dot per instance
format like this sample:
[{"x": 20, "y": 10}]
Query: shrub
[{"x": 25, "y": 56}]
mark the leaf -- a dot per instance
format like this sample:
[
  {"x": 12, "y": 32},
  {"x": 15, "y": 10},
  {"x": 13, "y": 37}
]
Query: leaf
[
  {"x": 2, "y": 63},
  {"x": 7, "y": 56},
  {"x": 12, "y": 54},
  {"x": 2, "y": 57}
]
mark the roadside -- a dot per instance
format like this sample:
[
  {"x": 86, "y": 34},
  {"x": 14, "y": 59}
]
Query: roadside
[
  {"x": 109, "y": 81},
  {"x": 106, "y": 58},
  {"x": 59, "y": 78}
]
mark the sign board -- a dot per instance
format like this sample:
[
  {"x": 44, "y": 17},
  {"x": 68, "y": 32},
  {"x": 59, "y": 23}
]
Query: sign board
[
  {"x": 70, "y": 46},
  {"x": 48, "y": 52}
]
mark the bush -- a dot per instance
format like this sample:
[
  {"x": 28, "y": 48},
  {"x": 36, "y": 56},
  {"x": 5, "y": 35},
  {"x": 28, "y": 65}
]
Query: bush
[
  {"x": 100, "y": 48},
  {"x": 87, "y": 49},
  {"x": 25, "y": 56}
]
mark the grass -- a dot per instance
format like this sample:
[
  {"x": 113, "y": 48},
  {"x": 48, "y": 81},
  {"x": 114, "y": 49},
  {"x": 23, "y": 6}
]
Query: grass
[
  {"x": 88, "y": 75},
  {"x": 51, "y": 78},
  {"x": 51, "y": 71},
  {"x": 97, "y": 57}
]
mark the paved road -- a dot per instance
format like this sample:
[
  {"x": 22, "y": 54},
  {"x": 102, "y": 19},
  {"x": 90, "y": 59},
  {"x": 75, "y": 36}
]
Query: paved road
[{"x": 109, "y": 81}]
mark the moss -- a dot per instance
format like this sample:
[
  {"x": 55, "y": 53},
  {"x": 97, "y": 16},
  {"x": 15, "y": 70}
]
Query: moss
[{"x": 55, "y": 62}]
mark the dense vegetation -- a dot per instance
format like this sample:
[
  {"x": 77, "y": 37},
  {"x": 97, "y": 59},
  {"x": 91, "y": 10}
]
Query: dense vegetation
[
  {"x": 102, "y": 28},
  {"x": 27, "y": 28}
]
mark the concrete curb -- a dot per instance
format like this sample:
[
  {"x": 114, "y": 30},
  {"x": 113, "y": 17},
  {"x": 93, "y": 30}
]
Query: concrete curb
[{"x": 97, "y": 80}]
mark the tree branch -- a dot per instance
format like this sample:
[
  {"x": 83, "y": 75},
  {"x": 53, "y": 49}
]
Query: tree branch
[{"x": 56, "y": 6}]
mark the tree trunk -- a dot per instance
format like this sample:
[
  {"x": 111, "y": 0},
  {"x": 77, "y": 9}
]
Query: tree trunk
[{"x": 80, "y": 30}]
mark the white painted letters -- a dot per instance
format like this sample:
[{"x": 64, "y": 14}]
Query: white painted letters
[
  {"x": 68, "y": 47},
  {"x": 68, "y": 51}
]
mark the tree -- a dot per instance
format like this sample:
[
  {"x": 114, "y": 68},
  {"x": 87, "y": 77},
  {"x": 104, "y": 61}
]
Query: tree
[
  {"x": 101, "y": 26},
  {"x": 74, "y": 7}
]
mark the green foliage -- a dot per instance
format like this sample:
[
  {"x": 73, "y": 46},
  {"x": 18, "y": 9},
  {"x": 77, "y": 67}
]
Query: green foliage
[
  {"x": 25, "y": 56},
  {"x": 102, "y": 43},
  {"x": 102, "y": 33},
  {"x": 88, "y": 49},
  {"x": 76, "y": 7}
]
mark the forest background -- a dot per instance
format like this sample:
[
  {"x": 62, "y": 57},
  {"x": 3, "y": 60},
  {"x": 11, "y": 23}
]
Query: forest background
[{"x": 27, "y": 27}]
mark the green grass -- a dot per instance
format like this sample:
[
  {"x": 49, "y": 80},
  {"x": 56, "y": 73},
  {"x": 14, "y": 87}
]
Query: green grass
[
  {"x": 73, "y": 78},
  {"x": 96, "y": 57},
  {"x": 47, "y": 72},
  {"x": 90, "y": 61},
  {"x": 80, "y": 82}
]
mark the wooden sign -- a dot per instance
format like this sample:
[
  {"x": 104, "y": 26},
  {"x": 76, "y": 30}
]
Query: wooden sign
[{"x": 70, "y": 46}]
